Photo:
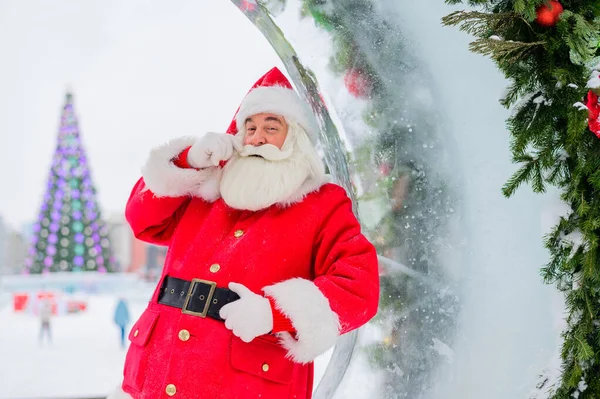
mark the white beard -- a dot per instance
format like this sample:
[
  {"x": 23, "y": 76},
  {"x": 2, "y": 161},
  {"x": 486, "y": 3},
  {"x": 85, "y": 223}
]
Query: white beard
[{"x": 276, "y": 176}]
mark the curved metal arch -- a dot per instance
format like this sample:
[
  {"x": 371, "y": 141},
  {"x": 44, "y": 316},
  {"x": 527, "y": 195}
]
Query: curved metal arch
[{"x": 328, "y": 135}]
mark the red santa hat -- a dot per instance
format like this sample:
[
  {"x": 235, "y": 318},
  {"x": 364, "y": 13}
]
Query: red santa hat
[{"x": 273, "y": 94}]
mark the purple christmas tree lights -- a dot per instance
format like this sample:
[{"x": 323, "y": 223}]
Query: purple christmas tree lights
[{"x": 69, "y": 234}]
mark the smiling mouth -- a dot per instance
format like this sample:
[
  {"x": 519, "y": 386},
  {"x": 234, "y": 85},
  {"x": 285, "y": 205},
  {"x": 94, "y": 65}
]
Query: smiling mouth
[{"x": 256, "y": 155}]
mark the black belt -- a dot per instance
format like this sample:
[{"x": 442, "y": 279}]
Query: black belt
[{"x": 197, "y": 297}]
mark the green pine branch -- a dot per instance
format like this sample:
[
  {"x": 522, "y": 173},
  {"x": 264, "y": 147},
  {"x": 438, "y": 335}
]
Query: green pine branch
[
  {"x": 548, "y": 68},
  {"x": 491, "y": 28},
  {"x": 502, "y": 50},
  {"x": 479, "y": 23}
]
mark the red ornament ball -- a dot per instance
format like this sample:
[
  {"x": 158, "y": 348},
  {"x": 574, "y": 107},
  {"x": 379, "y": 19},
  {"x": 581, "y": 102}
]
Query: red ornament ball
[
  {"x": 248, "y": 5},
  {"x": 385, "y": 168},
  {"x": 549, "y": 13},
  {"x": 358, "y": 83},
  {"x": 593, "y": 107}
]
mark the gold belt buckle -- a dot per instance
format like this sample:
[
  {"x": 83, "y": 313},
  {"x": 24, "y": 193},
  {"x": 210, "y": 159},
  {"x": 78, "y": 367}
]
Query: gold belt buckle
[{"x": 188, "y": 297}]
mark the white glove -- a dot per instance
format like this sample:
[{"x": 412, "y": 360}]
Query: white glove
[
  {"x": 213, "y": 148},
  {"x": 249, "y": 316}
]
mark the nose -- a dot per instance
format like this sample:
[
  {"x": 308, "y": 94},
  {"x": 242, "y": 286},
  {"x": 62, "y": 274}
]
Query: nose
[{"x": 258, "y": 139}]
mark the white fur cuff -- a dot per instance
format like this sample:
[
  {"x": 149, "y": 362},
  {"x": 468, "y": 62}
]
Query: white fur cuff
[
  {"x": 165, "y": 179},
  {"x": 317, "y": 326}
]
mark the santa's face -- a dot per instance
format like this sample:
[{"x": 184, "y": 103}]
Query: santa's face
[
  {"x": 264, "y": 129},
  {"x": 272, "y": 167}
]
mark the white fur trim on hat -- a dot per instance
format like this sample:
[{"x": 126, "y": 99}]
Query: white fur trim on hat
[
  {"x": 165, "y": 179},
  {"x": 277, "y": 100},
  {"x": 317, "y": 326}
]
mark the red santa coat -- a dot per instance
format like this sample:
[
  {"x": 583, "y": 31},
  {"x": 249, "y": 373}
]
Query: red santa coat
[{"x": 308, "y": 256}]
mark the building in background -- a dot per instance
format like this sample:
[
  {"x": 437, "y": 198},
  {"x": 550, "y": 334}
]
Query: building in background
[
  {"x": 155, "y": 259},
  {"x": 146, "y": 259},
  {"x": 13, "y": 249},
  {"x": 121, "y": 238},
  {"x": 15, "y": 252},
  {"x": 133, "y": 255},
  {"x": 138, "y": 257}
]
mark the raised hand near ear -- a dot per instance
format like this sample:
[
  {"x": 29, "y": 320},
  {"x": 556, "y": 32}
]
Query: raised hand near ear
[{"x": 212, "y": 148}]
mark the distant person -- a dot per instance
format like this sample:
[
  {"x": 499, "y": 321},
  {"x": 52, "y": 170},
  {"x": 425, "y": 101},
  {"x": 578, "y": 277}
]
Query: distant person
[
  {"x": 122, "y": 318},
  {"x": 45, "y": 316}
]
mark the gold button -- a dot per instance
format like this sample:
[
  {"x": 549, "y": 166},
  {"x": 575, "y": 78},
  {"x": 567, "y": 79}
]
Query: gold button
[
  {"x": 215, "y": 268},
  {"x": 135, "y": 334},
  {"x": 184, "y": 335},
  {"x": 238, "y": 233},
  {"x": 265, "y": 367},
  {"x": 170, "y": 390}
]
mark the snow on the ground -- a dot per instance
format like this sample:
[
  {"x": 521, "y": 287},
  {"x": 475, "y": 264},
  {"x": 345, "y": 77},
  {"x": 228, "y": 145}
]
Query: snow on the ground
[{"x": 85, "y": 358}]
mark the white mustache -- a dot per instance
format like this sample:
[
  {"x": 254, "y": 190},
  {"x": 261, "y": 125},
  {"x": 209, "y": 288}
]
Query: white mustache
[{"x": 266, "y": 151}]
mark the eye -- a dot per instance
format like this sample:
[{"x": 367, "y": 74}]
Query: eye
[{"x": 251, "y": 129}]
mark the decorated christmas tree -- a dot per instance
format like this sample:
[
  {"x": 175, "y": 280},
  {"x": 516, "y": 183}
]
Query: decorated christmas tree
[{"x": 69, "y": 234}]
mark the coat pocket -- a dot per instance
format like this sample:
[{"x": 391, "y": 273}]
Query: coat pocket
[
  {"x": 136, "y": 361},
  {"x": 263, "y": 359},
  {"x": 141, "y": 330}
]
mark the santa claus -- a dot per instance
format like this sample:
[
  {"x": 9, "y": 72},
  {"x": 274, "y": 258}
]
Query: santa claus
[{"x": 266, "y": 264}]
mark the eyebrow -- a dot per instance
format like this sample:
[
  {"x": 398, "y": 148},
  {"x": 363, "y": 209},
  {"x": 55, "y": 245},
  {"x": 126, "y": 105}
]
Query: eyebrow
[
  {"x": 272, "y": 118},
  {"x": 267, "y": 119}
]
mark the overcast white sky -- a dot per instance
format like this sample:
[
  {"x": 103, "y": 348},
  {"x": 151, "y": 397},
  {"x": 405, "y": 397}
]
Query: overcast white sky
[{"x": 142, "y": 72}]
